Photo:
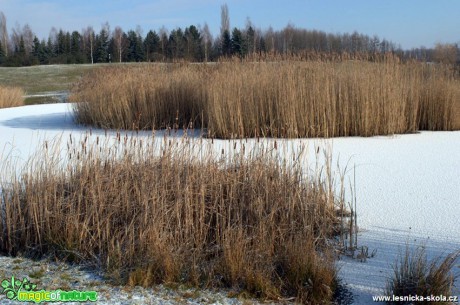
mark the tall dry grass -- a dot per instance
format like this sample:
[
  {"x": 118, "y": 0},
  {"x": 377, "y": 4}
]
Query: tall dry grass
[
  {"x": 142, "y": 97},
  {"x": 151, "y": 215},
  {"x": 414, "y": 275},
  {"x": 11, "y": 97},
  {"x": 319, "y": 98}
]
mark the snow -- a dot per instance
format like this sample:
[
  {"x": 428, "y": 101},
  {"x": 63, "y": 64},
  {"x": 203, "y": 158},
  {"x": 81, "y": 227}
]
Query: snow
[
  {"x": 48, "y": 94},
  {"x": 407, "y": 186}
]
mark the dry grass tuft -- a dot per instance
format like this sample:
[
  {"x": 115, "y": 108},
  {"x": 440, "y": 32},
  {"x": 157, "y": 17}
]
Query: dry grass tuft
[
  {"x": 415, "y": 275},
  {"x": 11, "y": 97},
  {"x": 170, "y": 214},
  {"x": 289, "y": 98},
  {"x": 456, "y": 111}
]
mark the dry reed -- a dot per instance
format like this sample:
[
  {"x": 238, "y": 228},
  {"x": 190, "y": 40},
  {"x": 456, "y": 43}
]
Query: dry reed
[
  {"x": 148, "y": 215},
  {"x": 11, "y": 97},
  {"x": 414, "y": 275},
  {"x": 274, "y": 99},
  {"x": 141, "y": 97}
]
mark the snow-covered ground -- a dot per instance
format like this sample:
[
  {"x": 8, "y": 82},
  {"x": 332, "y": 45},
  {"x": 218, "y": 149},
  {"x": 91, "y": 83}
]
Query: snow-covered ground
[{"x": 407, "y": 186}]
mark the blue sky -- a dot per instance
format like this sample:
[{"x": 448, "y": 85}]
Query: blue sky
[{"x": 411, "y": 23}]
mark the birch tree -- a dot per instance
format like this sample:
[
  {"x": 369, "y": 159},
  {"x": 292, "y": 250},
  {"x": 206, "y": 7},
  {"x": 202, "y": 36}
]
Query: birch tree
[
  {"x": 88, "y": 37},
  {"x": 120, "y": 42},
  {"x": 207, "y": 41}
]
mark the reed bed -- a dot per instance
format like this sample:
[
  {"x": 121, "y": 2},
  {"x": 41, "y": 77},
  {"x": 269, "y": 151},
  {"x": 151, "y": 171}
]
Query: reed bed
[
  {"x": 289, "y": 98},
  {"x": 11, "y": 97},
  {"x": 414, "y": 274},
  {"x": 175, "y": 213},
  {"x": 142, "y": 97}
]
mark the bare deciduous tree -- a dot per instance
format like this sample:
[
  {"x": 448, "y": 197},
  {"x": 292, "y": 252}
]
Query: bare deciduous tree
[
  {"x": 139, "y": 31},
  {"x": 224, "y": 20},
  {"x": 3, "y": 33},
  {"x": 25, "y": 34},
  {"x": 288, "y": 36},
  {"x": 15, "y": 38},
  {"x": 270, "y": 39},
  {"x": 28, "y": 37},
  {"x": 445, "y": 53}
]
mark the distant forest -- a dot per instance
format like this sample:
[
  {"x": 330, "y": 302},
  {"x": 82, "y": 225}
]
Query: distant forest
[{"x": 194, "y": 44}]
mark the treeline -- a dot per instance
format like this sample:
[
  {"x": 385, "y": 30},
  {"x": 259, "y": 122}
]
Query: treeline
[
  {"x": 189, "y": 44},
  {"x": 193, "y": 43}
]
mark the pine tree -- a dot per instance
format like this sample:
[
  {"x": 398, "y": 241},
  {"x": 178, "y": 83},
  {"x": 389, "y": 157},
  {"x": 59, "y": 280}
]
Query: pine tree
[
  {"x": 45, "y": 56},
  {"x": 238, "y": 43},
  {"x": 2, "y": 54},
  {"x": 135, "y": 48},
  {"x": 37, "y": 49},
  {"x": 176, "y": 44},
  {"x": 151, "y": 45},
  {"x": 50, "y": 49},
  {"x": 20, "y": 58},
  {"x": 67, "y": 44},
  {"x": 226, "y": 44},
  {"x": 250, "y": 40},
  {"x": 61, "y": 43},
  {"x": 164, "y": 43},
  {"x": 132, "y": 40},
  {"x": 75, "y": 47},
  {"x": 193, "y": 44},
  {"x": 102, "y": 44}
]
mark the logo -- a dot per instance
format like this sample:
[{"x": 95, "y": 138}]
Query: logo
[{"x": 25, "y": 291}]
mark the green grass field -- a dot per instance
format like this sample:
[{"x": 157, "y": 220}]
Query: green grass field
[
  {"x": 38, "y": 79},
  {"x": 43, "y": 79}
]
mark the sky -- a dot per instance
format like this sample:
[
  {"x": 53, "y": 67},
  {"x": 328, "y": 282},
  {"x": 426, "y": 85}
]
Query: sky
[{"x": 410, "y": 23}]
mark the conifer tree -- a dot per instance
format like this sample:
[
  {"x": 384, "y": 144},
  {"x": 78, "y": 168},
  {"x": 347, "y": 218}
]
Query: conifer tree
[
  {"x": 193, "y": 44},
  {"x": 76, "y": 47},
  {"x": 151, "y": 45},
  {"x": 226, "y": 44},
  {"x": 135, "y": 47},
  {"x": 238, "y": 44},
  {"x": 164, "y": 43},
  {"x": 176, "y": 44},
  {"x": 2, "y": 54},
  {"x": 37, "y": 51},
  {"x": 102, "y": 44},
  {"x": 250, "y": 39}
]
